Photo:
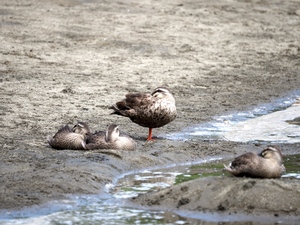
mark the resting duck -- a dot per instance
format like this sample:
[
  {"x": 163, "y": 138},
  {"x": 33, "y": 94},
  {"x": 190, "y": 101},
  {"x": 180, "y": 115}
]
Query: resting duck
[
  {"x": 112, "y": 138},
  {"x": 67, "y": 138},
  {"x": 267, "y": 164},
  {"x": 82, "y": 128},
  {"x": 150, "y": 110}
]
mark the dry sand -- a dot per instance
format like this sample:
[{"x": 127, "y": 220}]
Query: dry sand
[{"x": 67, "y": 60}]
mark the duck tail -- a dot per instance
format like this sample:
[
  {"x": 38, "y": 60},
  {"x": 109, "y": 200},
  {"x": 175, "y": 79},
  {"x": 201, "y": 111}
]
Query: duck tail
[
  {"x": 83, "y": 144},
  {"x": 49, "y": 139},
  {"x": 117, "y": 111},
  {"x": 227, "y": 167}
]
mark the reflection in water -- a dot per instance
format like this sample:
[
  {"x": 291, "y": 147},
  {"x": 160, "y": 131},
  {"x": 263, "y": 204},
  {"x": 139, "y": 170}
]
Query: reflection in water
[{"x": 102, "y": 212}]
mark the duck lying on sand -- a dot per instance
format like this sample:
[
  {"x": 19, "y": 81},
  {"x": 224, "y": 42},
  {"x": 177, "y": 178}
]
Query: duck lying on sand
[
  {"x": 81, "y": 138},
  {"x": 112, "y": 138},
  {"x": 67, "y": 138},
  {"x": 267, "y": 164}
]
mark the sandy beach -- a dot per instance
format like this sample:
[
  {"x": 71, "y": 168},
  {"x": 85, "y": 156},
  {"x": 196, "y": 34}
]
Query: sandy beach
[{"x": 63, "y": 61}]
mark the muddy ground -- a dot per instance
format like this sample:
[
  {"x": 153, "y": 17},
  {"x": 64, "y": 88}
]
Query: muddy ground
[{"x": 67, "y": 60}]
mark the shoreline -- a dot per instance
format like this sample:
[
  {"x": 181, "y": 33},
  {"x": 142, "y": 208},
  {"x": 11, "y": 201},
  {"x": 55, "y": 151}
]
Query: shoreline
[
  {"x": 57, "y": 204},
  {"x": 64, "y": 61}
]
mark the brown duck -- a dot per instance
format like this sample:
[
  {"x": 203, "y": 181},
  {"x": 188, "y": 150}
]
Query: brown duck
[
  {"x": 150, "y": 110},
  {"x": 67, "y": 138},
  {"x": 81, "y": 128},
  {"x": 267, "y": 164},
  {"x": 112, "y": 138}
]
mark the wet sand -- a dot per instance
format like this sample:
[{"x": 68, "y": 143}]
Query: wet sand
[{"x": 64, "y": 61}]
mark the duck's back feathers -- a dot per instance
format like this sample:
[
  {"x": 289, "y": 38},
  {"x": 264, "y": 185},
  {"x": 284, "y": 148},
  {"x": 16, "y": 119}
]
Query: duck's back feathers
[
  {"x": 112, "y": 138},
  {"x": 65, "y": 138},
  {"x": 267, "y": 164},
  {"x": 64, "y": 129},
  {"x": 132, "y": 104},
  {"x": 133, "y": 100},
  {"x": 148, "y": 110},
  {"x": 243, "y": 165},
  {"x": 95, "y": 138}
]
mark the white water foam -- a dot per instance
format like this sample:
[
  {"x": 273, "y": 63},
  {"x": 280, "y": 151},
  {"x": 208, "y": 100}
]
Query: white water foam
[{"x": 265, "y": 123}]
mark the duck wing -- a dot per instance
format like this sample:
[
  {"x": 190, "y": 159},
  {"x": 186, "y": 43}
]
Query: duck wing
[
  {"x": 66, "y": 139},
  {"x": 63, "y": 130},
  {"x": 133, "y": 100},
  {"x": 98, "y": 136},
  {"x": 132, "y": 103},
  {"x": 243, "y": 165}
]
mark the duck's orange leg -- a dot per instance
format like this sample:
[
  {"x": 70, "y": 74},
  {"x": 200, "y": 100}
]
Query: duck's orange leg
[{"x": 150, "y": 135}]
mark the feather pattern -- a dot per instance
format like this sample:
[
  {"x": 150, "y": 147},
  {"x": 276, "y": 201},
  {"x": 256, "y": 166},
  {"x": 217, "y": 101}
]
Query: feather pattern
[
  {"x": 65, "y": 138},
  {"x": 148, "y": 110},
  {"x": 112, "y": 138},
  {"x": 266, "y": 164}
]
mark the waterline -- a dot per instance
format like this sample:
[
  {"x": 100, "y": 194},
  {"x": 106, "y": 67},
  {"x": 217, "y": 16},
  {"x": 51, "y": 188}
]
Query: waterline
[{"x": 276, "y": 122}]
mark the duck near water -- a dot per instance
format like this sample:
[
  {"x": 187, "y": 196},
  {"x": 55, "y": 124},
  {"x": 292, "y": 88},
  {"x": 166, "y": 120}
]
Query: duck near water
[
  {"x": 150, "y": 110},
  {"x": 267, "y": 164}
]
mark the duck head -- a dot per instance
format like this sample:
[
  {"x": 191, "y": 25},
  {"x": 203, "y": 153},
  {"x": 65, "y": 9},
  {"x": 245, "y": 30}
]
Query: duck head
[
  {"x": 162, "y": 92},
  {"x": 272, "y": 152},
  {"x": 112, "y": 133},
  {"x": 81, "y": 128}
]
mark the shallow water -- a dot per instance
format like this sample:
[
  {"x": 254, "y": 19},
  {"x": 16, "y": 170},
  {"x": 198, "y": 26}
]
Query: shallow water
[
  {"x": 277, "y": 122},
  {"x": 292, "y": 165},
  {"x": 112, "y": 207},
  {"x": 149, "y": 180}
]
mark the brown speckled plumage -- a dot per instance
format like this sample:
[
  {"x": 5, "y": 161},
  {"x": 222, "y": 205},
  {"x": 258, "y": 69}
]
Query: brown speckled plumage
[
  {"x": 267, "y": 164},
  {"x": 81, "y": 128},
  {"x": 148, "y": 110},
  {"x": 65, "y": 138},
  {"x": 112, "y": 138}
]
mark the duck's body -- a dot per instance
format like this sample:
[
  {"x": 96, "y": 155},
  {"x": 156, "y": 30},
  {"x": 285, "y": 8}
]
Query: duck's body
[
  {"x": 65, "y": 138},
  {"x": 267, "y": 164},
  {"x": 112, "y": 138},
  {"x": 148, "y": 110}
]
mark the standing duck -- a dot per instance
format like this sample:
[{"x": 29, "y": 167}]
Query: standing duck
[
  {"x": 112, "y": 138},
  {"x": 67, "y": 138},
  {"x": 150, "y": 110},
  {"x": 267, "y": 164}
]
